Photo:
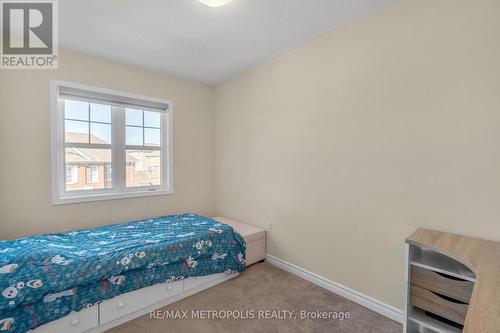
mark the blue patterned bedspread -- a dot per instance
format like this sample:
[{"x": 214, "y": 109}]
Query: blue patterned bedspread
[{"x": 44, "y": 278}]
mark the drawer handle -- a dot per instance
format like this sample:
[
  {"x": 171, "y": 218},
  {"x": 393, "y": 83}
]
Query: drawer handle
[
  {"x": 446, "y": 298},
  {"x": 449, "y": 277},
  {"x": 120, "y": 305},
  {"x": 75, "y": 322}
]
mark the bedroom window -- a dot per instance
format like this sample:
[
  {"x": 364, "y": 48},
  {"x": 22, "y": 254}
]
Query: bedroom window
[{"x": 118, "y": 142}]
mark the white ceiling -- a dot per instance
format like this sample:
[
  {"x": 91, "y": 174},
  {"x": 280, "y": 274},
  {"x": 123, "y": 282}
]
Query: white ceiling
[{"x": 191, "y": 40}]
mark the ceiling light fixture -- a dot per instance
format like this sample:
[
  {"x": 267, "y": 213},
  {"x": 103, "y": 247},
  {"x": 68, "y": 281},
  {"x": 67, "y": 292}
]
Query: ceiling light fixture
[{"x": 215, "y": 3}]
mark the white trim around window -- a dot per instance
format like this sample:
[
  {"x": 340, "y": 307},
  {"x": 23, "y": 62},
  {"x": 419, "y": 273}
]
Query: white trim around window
[{"x": 119, "y": 102}]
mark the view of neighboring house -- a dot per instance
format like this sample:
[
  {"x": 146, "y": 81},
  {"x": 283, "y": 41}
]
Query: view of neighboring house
[{"x": 90, "y": 168}]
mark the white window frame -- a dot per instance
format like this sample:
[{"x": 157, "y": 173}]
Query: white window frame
[{"x": 119, "y": 189}]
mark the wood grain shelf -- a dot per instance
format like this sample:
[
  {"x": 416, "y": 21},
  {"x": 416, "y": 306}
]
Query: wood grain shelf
[
  {"x": 442, "y": 284},
  {"x": 447, "y": 308},
  {"x": 438, "y": 262}
]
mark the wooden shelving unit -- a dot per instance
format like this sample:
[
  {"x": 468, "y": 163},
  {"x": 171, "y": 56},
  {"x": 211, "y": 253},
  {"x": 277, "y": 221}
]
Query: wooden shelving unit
[
  {"x": 438, "y": 291},
  {"x": 452, "y": 283}
]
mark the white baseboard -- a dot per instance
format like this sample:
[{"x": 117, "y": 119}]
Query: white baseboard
[{"x": 352, "y": 295}]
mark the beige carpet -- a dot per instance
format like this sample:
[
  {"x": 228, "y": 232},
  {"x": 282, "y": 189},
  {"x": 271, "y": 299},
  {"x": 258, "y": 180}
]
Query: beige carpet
[{"x": 265, "y": 287}]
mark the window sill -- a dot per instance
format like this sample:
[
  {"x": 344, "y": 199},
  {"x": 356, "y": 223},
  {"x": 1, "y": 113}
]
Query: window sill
[{"x": 109, "y": 196}]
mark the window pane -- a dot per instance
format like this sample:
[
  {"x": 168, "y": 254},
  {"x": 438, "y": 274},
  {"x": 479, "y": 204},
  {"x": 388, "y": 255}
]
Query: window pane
[
  {"x": 134, "y": 136},
  {"x": 152, "y": 119},
  {"x": 71, "y": 174},
  {"x": 152, "y": 137},
  {"x": 109, "y": 173},
  {"x": 133, "y": 117},
  {"x": 100, "y": 133},
  {"x": 76, "y": 110},
  {"x": 76, "y": 131},
  {"x": 94, "y": 173},
  {"x": 89, "y": 166},
  {"x": 100, "y": 113},
  {"x": 143, "y": 168}
]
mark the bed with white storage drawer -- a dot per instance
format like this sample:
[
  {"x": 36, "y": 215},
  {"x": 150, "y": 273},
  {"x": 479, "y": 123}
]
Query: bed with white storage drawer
[
  {"x": 127, "y": 306},
  {"x": 45, "y": 278}
]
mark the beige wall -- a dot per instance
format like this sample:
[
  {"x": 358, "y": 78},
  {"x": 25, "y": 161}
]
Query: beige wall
[
  {"x": 351, "y": 142},
  {"x": 25, "y": 176}
]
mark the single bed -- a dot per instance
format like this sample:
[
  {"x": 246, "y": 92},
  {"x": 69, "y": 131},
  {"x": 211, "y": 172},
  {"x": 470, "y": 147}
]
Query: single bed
[{"x": 44, "y": 278}]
